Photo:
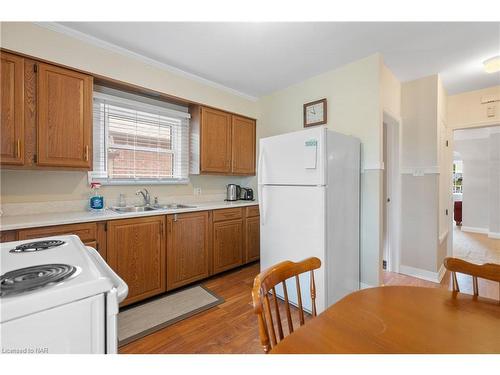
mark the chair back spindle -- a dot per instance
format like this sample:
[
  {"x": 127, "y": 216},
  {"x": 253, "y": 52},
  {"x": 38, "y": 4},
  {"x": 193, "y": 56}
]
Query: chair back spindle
[
  {"x": 488, "y": 271},
  {"x": 271, "y": 328}
]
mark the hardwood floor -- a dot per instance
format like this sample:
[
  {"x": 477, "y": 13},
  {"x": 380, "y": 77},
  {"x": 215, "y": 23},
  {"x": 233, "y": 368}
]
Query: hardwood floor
[{"x": 231, "y": 327}]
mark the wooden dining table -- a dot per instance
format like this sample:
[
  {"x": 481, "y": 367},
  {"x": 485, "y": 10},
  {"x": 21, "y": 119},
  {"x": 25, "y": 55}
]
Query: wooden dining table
[{"x": 400, "y": 319}]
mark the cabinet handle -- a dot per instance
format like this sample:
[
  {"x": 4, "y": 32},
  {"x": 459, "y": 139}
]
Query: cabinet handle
[
  {"x": 175, "y": 217},
  {"x": 18, "y": 149},
  {"x": 86, "y": 152},
  {"x": 161, "y": 230}
]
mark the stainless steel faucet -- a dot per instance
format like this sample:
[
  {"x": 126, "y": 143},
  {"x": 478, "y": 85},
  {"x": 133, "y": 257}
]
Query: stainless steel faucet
[{"x": 145, "y": 195}]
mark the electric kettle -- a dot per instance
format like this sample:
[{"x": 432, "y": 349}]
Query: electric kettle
[{"x": 233, "y": 192}]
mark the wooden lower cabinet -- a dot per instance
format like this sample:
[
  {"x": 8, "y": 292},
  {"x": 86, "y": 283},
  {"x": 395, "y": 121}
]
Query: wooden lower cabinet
[
  {"x": 136, "y": 251},
  {"x": 91, "y": 234},
  {"x": 252, "y": 239},
  {"x": 188, "y": 248},
  {"x": 153, "y": 259},
  {"x": 227, "y": 245},
  {"x": 8, "y": 236}
]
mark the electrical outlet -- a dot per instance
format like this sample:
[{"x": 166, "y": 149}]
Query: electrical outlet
[{"x": 197, "y": 191}]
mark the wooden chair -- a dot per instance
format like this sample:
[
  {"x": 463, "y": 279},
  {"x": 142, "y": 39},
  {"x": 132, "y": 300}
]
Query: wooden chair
[
  {"x": 264, "y": 285},
  {"x": 488, "y": 271}
]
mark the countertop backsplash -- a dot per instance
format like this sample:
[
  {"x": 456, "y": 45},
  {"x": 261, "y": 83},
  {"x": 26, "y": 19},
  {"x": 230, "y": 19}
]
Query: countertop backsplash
[{"x": 28, "y": 208}]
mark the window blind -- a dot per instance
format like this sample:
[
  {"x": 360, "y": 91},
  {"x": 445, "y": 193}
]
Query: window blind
[{"x": 136, "y": 142}]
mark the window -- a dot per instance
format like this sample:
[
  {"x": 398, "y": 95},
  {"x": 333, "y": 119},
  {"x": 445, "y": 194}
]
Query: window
[
  {"x": 457, "y": 176},
  {"x": 139, "y": 142}
]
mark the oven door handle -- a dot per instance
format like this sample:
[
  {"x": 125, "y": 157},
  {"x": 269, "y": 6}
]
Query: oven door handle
[{"x": 118, "y": 283}]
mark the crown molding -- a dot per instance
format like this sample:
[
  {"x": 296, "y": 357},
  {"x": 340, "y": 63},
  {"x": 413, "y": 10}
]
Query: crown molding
[{"x": 54, "y": 26}]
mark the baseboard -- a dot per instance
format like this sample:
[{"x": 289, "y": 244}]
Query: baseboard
[
  {"x": 419, "y": 273},
  {"x": 474, "y": 229},
  {"x": 365, "y": 286},
  {"x": 495, "y": 235}
]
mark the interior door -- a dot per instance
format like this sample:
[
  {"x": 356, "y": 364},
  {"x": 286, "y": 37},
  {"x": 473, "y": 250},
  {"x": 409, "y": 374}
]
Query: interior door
[
  {"x": 296, "y": 158},
  {"x": 292, "y": 227}
]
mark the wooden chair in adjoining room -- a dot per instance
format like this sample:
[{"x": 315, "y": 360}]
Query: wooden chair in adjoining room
[
  {"x": 264, "y": 289},
  {"x": 488, "y": 271}
]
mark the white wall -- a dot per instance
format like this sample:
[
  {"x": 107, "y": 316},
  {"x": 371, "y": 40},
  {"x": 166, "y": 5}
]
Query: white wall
[
  {"x": 494, "y": 186},
  {"x": 33, "y": 186},
  {"x": 353, "y": 95},
  {"x": 465, "y": 110},
  {"x": 475, "y": 200},
  {"x": 479, "y": 150},
  {"x": 421, "y": 111}
]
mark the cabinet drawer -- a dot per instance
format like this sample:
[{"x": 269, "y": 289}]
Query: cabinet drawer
[
  {"x": 8, "y": 236},
  {"x": 252, "y": 211},
  {"x": 86, "y": 231},
  {"x": 228, "y": 214}
]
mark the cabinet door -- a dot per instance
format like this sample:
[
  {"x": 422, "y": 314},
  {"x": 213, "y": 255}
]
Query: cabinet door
[
  {"x": 8, "y": 236},
  {"x": 64, "y": 117},
  {"x": 187, "y": 248},
  {"x": 136, "y": 251},
  {"x": 227, "y": 245},
  {"x": 243, "y": 148},
  {"x": 12, "y": 109},
  {"x": 86, "y": 231},
  {"x": 215, "y": 148},
  {"x": 252, "y": 239}
]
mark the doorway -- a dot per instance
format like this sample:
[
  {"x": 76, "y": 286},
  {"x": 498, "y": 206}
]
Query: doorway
[
  {"x": 391, "y": 194},
  {"x": 476, "y": 194}
]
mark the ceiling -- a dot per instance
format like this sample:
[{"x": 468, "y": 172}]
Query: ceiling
[{"x": 258, "y": 58}]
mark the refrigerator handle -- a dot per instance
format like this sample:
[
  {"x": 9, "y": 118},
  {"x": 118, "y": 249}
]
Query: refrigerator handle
[
  {"x": 259, "y": 187},
  {"x": 260, "y": 166}
]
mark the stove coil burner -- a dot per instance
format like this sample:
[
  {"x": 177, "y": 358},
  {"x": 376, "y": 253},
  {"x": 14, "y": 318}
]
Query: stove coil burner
[
  {"x": 31, "y": 278},
  {"x": 37, "y": 246}
]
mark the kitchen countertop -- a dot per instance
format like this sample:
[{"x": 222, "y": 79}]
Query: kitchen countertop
[{"x": 58, "y": 218}]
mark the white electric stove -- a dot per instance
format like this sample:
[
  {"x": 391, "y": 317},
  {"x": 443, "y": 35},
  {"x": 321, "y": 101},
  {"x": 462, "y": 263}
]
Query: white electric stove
[{"x": 57, "y": 296}]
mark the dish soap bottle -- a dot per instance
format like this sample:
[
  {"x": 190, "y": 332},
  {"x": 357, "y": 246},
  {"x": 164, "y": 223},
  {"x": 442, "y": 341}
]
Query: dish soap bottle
[{"x": 96, "y": 201}]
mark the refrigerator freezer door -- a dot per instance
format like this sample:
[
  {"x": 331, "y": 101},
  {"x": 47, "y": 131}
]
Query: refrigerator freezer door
[
  {"x": 293, "y": 228},
  {"x": 296, "y": 158}
]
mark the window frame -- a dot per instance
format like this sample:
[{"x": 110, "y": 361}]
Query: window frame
[{"x": 138, "y": 103}]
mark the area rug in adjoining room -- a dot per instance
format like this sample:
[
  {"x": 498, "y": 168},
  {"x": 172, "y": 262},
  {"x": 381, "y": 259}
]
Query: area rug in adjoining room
[{"x": 141, "y": 320}]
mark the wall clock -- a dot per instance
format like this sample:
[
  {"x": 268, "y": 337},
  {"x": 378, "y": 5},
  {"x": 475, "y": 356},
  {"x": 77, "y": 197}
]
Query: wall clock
[{"x": 315, "y": 113}]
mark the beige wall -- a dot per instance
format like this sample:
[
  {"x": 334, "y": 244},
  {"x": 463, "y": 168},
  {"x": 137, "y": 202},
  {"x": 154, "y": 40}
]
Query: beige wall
[
  {"x": 31, "y": 39},
  {"x": 465, "y": 110},
  {"x": 353, "y": 94},
  {"x": 390, "y": 93}
]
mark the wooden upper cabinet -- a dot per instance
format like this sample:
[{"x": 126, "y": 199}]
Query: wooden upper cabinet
[
  {"x": 243, "y": 145},
  {"x": 187, "y": 248},
  {"x": 12, "y": 109},
  {"x": 64, "y": 105},
  {"x": 136, "y": 251},
  {"x": 215, "y": 142},
  {"x": 227, "y": 142}
]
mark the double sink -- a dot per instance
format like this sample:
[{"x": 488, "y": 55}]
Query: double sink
[{"x": 171, "y": 206}]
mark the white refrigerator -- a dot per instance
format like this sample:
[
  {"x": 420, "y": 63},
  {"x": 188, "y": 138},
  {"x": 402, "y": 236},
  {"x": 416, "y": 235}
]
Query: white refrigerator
[{"x": 308, "y": 185}]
